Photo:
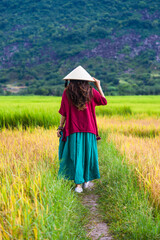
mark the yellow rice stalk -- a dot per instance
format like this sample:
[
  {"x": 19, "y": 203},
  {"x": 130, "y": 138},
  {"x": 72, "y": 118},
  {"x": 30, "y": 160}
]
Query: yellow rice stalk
[
  {"x": 47, "y": 209},
  {"x": 35, "y": 232},
  {"x": 130, "y": 126},
  {"x": 20, "y": 151},
  {"x": 3, "y": 233},
  {"x": 142, "y": 152}
]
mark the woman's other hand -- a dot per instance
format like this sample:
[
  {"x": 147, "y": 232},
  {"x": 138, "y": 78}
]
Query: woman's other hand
[
  {"x": 58, "y": 133},
  {"x": 60, "y": 128}
]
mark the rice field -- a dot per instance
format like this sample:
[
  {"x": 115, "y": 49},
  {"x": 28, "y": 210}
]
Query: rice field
[
  {"x": 138, "y": 140},
  {"x": 34, "y": 204},
  {"x": 42, "y": 111}
]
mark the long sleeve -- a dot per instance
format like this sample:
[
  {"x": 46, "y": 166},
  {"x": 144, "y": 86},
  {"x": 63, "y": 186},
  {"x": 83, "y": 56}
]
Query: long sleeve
[
  {"x": 98, "y": 99},
  {"x": 62, "y": 109}
]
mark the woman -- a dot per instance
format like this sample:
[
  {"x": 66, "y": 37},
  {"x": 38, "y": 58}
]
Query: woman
[{"x": 78, "y": 138}]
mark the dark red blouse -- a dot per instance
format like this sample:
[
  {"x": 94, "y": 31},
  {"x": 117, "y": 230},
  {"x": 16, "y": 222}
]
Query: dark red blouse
[{"x": 80, "y": 120}]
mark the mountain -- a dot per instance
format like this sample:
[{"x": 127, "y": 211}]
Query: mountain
[{"x": 116, "y": 41}]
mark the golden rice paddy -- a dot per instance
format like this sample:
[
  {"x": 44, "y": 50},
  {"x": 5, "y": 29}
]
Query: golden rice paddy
[
  {"x": 139, "y": 141},
  {"x": 21, "y": 154}
]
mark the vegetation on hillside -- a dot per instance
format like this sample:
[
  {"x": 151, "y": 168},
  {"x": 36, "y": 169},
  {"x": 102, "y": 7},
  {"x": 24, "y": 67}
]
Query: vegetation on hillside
[{"x": 116, "y": 41}]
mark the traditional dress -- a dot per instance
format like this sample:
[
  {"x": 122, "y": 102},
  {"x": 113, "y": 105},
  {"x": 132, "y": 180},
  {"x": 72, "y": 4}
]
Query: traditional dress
[{"x": 78, "y": 153}]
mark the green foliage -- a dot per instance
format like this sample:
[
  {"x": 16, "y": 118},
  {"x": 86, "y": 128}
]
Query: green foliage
[{"x": 41, "y": 41}]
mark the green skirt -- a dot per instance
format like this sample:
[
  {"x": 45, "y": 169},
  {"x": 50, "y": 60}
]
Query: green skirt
[{"x": 78, "y": 157}]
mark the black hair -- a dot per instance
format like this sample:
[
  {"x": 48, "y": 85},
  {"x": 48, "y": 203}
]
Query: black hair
[
  {"x": 79, "y": 93},
  {"x": 66, "y": 83}
]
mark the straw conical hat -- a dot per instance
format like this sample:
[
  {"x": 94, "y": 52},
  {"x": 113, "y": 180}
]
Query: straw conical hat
[{"x": 79, "y": 73}]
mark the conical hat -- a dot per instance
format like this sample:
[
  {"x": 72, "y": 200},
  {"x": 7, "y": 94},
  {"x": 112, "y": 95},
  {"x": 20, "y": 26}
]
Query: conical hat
[{"x": 79, "y": 73}]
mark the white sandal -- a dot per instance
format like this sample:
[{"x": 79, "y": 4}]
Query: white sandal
[
  {"x": 88, "y": 185},
  {"x": 78, "y": 189}
]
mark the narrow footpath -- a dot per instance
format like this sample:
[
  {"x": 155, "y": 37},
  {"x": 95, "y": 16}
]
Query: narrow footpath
[{"x": 96, "y": 228}]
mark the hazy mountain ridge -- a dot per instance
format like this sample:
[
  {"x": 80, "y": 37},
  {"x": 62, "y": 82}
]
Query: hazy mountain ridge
[{"x": 118, "y": 42}]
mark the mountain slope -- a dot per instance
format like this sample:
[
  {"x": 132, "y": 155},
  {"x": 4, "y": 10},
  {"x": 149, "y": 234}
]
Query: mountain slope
[{"x": 116, "y": 41}]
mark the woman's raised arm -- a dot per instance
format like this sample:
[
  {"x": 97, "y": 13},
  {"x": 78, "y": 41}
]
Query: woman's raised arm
[{"x": 98, "y": 85}]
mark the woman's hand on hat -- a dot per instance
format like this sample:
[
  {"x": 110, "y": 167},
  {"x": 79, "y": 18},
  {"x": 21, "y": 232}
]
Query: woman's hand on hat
[
  {"x": 97, "y": 82},
  {"x": 98, "y": 85}
]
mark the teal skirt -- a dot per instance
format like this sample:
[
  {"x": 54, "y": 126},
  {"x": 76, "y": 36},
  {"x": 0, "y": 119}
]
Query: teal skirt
[{"x": 78, "y": 157}]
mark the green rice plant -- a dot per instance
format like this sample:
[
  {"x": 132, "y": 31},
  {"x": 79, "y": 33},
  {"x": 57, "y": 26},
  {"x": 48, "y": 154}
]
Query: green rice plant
[
  {"x": 110, "y": 111},
  {"x": 34, "y": 115},
  {"x": 32, "y": 111}
]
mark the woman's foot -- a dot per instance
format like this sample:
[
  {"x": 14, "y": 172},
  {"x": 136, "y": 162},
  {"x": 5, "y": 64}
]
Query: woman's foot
[
  {"x": 85, "y": 185},
  {"x": 78, "y": 188},
  {"x": 88, "y": 185}
]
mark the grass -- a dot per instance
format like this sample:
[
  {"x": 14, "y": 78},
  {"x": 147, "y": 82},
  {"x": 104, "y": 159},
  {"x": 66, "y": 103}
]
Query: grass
[{"x": 124, "y": 203}]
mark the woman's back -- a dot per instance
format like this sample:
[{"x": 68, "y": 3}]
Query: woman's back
[{"x": 80, "y": 120}]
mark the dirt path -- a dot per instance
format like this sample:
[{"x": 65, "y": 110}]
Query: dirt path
[{"x": 96, "y": 228}]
